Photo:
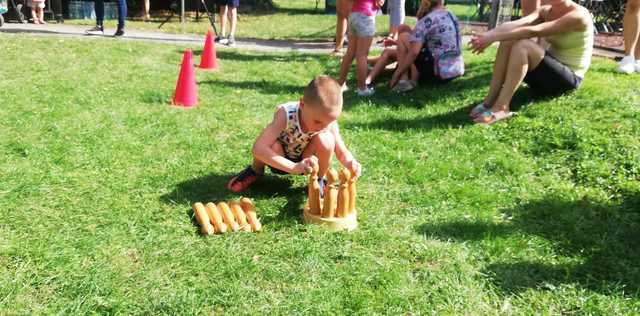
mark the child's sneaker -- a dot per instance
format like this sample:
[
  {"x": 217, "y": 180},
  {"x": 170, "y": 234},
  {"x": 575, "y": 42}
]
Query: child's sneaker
[
  {"x": 627, "y": 65},
  {"x": 243, "y": 180},
  {"x": 638, "y": 66},
  {"x": 366, "y": 92},
  {"x": 231, "y": 41}
]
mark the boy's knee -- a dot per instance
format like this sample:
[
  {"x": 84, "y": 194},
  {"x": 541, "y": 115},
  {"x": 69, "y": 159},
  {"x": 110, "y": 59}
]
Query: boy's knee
[{"x": 325, "y": 141}]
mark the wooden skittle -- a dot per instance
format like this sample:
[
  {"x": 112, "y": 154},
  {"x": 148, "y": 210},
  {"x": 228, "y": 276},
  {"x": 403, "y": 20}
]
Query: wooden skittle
[
  {"x": 216, "y": 218},
  {"x": 314, "y": 192},
  {"x": 342, "y": 209},
  {"x": 252, "y": 216},
  {"x": 331, "y": 195},
  {"x": 227, "y": 216},
  {"x": 352, "y": 193},
  {"x": 203, "y": 219},
  {"x": 241, "y": 218}
]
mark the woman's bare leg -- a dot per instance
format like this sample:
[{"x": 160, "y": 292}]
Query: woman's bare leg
[
  {"x": 342, "y": 14},
  {"x": 388, "y": 55},
  {"x": 525, "y": 55},
  {"x": 223, "y": 19},
  {"x": 499, "y": 72}
]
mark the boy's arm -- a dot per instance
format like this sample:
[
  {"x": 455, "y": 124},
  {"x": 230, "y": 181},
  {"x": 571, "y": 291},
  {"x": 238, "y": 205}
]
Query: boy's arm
[
  {"x": 262, "y": 147},
  {"x": 343, "y": 154}
]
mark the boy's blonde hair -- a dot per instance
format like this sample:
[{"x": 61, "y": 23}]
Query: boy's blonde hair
[{"x": 323, "y": 92}]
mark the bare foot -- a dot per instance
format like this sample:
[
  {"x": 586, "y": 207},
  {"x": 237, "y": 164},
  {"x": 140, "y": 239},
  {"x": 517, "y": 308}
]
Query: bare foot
[{"x": 43, "y": 22}]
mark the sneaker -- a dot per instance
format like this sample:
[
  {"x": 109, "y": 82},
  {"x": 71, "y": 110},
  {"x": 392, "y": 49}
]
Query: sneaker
[
  {"x": 366, "y": 92},
  {"x": 344, "y": 88},
  {"x": 96, "y": 30},
  {"x": 119, "y": 32},
  {"x": 243, "y": 180},
  {"x": 218, "y": 38},
  {"x": 223, "y": 41},
  {"x": 404, "y": 86},
  {"x": 627, "y": 65},
  {"x": 638, "y": 66},
  {"x": 231, "y": 41}
]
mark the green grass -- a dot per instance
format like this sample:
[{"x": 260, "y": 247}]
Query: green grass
[
  {"x": 292, "y": 20},
  {"x": 537, "y": 215}
]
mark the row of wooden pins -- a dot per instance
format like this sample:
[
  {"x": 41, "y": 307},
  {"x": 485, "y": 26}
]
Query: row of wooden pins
[
  {"x": 223, "y": 217},
  {"x": 339, "y": 201}
]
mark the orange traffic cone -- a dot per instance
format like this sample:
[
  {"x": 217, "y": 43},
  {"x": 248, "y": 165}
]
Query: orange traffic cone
[
  {"x": 186, "y": 94},
  {"x": 208, "y": 60}
]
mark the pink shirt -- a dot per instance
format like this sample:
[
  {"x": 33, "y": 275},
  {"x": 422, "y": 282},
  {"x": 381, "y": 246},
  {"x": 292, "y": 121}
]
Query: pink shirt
[{"x": 367, "y": 7}]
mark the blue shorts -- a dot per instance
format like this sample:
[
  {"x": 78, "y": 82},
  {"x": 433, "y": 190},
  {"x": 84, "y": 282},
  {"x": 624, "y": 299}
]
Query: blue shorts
[{"x": 231, "y": 3}]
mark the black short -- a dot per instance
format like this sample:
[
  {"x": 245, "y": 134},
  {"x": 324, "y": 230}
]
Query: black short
[
  {"x": 232, "y": 3},
  {"x": 552, "y": 77}
]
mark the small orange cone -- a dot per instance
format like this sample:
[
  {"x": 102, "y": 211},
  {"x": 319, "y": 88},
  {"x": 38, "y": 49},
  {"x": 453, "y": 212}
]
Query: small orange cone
[
  {"x": 208, "y": 60},
  {"x": 186, "y": 94}
]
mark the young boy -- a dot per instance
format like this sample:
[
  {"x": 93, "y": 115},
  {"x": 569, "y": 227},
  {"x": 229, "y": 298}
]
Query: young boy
[{"x": 301, "y": 134}]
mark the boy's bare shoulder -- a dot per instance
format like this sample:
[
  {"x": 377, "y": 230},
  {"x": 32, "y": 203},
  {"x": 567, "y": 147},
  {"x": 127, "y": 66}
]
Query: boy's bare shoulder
[{"x": 279, "y": 118}]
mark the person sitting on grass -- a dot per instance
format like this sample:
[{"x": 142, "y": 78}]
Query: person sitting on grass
[
  {"x": 299, "y": 132},
  {"x": 568, "y": 29},
  {"x": 431, "y": 52}
]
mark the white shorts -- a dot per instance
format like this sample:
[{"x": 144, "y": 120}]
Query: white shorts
[{"x": 362, "y": 25}]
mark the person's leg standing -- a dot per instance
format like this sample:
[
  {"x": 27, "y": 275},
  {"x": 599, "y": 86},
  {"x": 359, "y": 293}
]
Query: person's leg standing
[
  {"x": 223, "y": 23},
  {"x": 631, "y": 33},
  {"x": 122, "y": 15},
  {"x": 233, "y": 20},
  {"x": 342, "y": 13},
  {"x": 98, "y": 29}
]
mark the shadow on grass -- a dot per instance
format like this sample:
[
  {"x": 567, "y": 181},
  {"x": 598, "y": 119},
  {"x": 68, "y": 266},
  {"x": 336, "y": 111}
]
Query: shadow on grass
[
  {"x": 213, "y": 188},
  {"x": 600, "y": 239},
  {"x": 266, "y": 87}
]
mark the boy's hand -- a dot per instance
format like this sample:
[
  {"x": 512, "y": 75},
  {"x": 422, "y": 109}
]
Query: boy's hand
[
  {"x": 355, "y": 168},
  {"x": 306, "y": 165}
]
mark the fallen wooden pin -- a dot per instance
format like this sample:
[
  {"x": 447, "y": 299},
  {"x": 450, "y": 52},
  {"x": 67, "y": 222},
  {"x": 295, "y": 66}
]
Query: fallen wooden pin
[{"x": 223, "y": 217}]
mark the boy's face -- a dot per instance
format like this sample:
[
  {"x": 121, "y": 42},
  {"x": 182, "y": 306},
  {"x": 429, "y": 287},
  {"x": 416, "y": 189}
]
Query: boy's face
[{"x": 315, "y": 119}]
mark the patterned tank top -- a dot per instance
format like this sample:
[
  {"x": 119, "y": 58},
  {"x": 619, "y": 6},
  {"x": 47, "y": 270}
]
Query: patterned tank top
[{"x": 292, "y": 138}]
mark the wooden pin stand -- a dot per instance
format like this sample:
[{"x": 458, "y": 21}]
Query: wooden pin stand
[{"x": 337, "y": 210}]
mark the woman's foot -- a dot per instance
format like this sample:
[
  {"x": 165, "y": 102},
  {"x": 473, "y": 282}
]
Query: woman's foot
[
  {"x": 490, "y": 117},
  {"x": 478, "y": 109},
  {"x": 404, "y": 86},
  {"x": 366, "y": 92}
]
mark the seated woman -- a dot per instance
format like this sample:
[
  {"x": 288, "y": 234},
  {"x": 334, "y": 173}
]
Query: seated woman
[
  {"x": 430, "y": 52},
  {"x": 567, "y": 28}
]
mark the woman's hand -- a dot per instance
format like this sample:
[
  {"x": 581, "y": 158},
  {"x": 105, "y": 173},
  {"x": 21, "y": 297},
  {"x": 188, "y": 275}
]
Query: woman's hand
[{"x": 479, "y": 42}]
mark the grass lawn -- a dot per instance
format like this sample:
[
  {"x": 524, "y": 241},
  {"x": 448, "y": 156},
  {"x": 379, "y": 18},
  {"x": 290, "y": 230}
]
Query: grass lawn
[
  {"x": 537, "y": 215},
  {"x": 293, "y": 20}
]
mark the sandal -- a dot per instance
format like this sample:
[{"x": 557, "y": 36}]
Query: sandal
[
  {"x": 488, "y": 117},
  {"x": 243, "y": 180},
  {"x": 478, "y": 109}
]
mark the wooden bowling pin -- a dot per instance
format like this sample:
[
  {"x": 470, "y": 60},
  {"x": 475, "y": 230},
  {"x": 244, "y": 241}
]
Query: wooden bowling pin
[
  {"x": 331, "y": 195},
  {"x": 315, "y": 207},
  {"x": 203, "y": 219},
  {"x": 343, "y": 194},
  {"x": 241, "y": 218},
  {"x": 250, "y": 211},
  {"x": 227, "y": 216},
  {"x": 216, "y": 218},
  {"x": 352, "y": 194}
]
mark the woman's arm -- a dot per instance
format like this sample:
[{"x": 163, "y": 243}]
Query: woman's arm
[{"x": 573, "y": 21}]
